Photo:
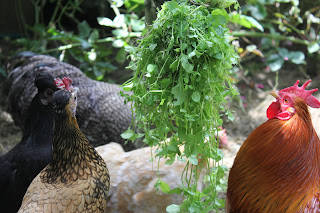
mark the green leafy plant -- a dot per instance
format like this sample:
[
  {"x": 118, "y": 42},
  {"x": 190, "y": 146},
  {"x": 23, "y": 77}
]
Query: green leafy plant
[
  {"x": 180, "y": 86},
  {"x": 89, "y": 48},
  {"x": 277, "y": 27}
]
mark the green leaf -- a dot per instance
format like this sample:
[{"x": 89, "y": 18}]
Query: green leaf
[
  {"x": 93, "y": 36},
  {"x": 152, "y": 46},
  {"x": 174, "y": 65},
  {"x": 173, "y": 208},
  {"x": 175, "y": 191},
  {"x": 127, "y": 87},
  {"x": 297, "y": 57},
  {"x": 179, "y": 94},
  {"x": 84, "y": 29},
  {"x": 164, "y": 186},
  {"x": 118, "y": 43},
  {"x": 312, "y": 48},
  {"x": 103, "y": 21},
  {"x": 120, "y": 33},
  {"x": 151, "y": 68},
  {"x": 119, "y": 21},
  {"x": 193, "y": 159},
  {"x": 196, "y": 96},
  {"x": 128, "y": 134},
  {"x": 246, "y": 21},
  {"x": 173, "y": 6},
  {"x": 165, "y": 82},
  {"x": 185, "y": 63},
  {"x": 258, "y": 11},
  {"x": 275, "y": 62}
]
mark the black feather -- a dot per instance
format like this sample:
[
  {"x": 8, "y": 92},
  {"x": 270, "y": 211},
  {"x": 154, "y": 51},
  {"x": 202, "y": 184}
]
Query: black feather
[{"x": 21, "y": 164}]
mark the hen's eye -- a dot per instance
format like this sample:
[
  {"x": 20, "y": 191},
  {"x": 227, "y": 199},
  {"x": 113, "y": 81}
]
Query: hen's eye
[{"x": 286, "y": 101}]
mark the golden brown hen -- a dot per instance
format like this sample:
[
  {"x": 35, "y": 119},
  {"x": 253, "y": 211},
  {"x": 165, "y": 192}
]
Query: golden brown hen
[{"x": 76, "y": 179}]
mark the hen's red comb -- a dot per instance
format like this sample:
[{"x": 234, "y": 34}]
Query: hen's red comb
[
  {"x": 302, "y": 93},
  {"x": 65, "y": 83},
  {"x": 59, "y": 83}
]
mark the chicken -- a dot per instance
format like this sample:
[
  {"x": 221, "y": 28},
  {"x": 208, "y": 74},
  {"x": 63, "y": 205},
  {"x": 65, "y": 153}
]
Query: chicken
[
  {"x": 277, "y": 169},
  {"x": 102, "y": 115},
  {"x": 76, "y": 179},
  {"x": 22, "y": 163},
  {"x": 134, "y": 176}
]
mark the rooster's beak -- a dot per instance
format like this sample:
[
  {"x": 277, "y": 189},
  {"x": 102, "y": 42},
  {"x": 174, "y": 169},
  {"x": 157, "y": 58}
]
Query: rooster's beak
[{"x": 274, "y": 94}]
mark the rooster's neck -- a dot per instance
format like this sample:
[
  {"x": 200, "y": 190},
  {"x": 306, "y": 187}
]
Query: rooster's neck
[{"x": 277, "y": 167}]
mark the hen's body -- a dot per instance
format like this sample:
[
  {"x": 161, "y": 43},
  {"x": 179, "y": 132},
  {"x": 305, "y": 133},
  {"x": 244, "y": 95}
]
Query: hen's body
[
  {"x": 277, "y": 169},
  {"x": 102, "y": 114},
  {"x": 76, "y": 179},
  {"x": 21, "y": 164}
]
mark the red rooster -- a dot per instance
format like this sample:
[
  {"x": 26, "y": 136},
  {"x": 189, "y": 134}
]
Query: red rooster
[{"x": 277, "y": 169}]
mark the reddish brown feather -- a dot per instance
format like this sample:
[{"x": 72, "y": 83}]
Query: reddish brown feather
[{"x": 277, "y": 169}]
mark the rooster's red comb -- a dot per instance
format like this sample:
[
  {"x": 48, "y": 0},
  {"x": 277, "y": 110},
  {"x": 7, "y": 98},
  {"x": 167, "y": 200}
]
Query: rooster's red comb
[{"x": 302, "y": 93}]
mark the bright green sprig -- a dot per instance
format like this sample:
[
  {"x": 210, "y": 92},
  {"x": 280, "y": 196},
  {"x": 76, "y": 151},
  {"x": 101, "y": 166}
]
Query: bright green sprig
[{"x": 180, "y": 87}]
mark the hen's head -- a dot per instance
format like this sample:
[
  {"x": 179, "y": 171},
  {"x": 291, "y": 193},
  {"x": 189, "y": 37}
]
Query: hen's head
[
  {"x": 283, "y": 108},
  {"x": 46, "y": 87},
  {"x": 65, "y": 100}
]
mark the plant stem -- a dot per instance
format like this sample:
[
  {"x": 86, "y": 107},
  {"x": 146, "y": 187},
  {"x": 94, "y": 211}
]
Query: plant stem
[{"x": 272, "y": 36}]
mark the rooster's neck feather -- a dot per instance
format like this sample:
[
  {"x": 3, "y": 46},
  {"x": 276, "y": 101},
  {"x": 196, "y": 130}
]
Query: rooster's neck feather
[{"x": 277, "y": 167}]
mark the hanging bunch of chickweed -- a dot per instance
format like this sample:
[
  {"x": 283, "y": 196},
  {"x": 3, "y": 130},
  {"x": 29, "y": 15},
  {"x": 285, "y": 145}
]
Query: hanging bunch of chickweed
[{"x": 180, "y": 87}]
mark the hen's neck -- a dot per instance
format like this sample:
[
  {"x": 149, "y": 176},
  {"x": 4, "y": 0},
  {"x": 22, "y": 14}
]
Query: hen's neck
[
  {"x": 38, "y": 127},
  {"x": 69, "y": 142}
]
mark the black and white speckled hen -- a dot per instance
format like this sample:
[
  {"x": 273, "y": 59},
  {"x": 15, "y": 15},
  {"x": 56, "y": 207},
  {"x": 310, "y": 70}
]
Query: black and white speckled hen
[
  {"x": 102, "y": 114},
  {"x": 76, "y": 179},
  {"x": 20, "y": 165}
]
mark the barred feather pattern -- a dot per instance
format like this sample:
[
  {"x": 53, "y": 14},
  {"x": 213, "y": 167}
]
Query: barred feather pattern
[
  {"x": 277, "y": 169},
  {"x": 76, "y": 179}
]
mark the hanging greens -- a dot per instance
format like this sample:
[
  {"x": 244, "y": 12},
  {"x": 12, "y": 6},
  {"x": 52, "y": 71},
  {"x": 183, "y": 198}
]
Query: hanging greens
[{"x": 180, "y": 89}]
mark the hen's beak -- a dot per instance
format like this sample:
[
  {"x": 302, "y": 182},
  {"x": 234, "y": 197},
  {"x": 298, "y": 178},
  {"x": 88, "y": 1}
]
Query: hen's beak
[{"x": 274, "y": 94}]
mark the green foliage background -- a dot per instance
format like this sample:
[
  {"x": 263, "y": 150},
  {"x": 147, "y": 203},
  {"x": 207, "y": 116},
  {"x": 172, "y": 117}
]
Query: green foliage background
[{"x": 182, "y": 74}]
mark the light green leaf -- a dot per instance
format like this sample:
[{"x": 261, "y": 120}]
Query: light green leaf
[
  {"x": 179, "y": 94},
  {"x": 246, "y": 21},
  {"x": 185, "y": 63},
  {"x": 118, "y": 43},
  {"x": 120, "y": 33},
  {"x": 128, "y": 134},
  {"x": 275, "y": 62},
  {"x": 118, "y": 21},
  {"x": 128, "y": 87},
  {"x": 193, "y": 159},
  {"x": 164, "y": 186},
  {"x": 196, "y": 96},
  {"x": 152, "y": 46},
  {"x": 313, "y": 48},
  {"x": 173, "y": 208},
  {"x": 151, "y": 68},
  {"x": 105, "y": 22},
  {"x": 297, "y": 57}
]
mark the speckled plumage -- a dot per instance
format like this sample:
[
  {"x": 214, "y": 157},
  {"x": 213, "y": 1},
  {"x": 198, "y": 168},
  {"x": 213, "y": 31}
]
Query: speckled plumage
[
  {"x": 102, "y": 115},
  {"x": 76, "y": 179}
]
